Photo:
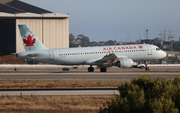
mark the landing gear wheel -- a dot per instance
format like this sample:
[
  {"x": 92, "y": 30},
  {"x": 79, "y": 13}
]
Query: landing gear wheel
[
  {"x": 90, "y": 69},
  {"x": 147, "y": 68},
  {"x": 103, "y": 69}
]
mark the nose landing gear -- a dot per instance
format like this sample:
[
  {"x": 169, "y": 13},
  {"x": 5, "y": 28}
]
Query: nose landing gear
[{"x": 146, "y": 68}]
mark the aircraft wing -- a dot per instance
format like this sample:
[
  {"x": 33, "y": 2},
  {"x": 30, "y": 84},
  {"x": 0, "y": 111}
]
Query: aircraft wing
[
  {"x": 107, "y": 58},
  {"x": 28, "y": 55},
  {"x": 33, "y": 55}
]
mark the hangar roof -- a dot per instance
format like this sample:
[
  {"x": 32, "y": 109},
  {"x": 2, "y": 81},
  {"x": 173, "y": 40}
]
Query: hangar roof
[
  {"x": 17, "y": 8},
  {"x": 27, "y": 7},
  {"x": 9, "y": 9}
]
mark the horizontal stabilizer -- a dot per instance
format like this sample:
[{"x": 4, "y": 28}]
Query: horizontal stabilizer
[{"x": 33, "y": 55}]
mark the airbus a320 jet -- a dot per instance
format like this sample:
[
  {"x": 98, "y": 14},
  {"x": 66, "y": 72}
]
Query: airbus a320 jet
[{"x": 121, "y": 56}]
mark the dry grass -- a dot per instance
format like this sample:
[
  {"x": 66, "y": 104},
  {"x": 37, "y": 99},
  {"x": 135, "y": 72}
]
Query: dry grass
[
  {"x": 58, "y": 83},
  {"x": 64, "y": 104},
  {"x": 60, "y": 104}
]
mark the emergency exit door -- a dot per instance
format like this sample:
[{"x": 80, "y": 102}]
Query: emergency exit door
[{"x": 51, "y": 55}]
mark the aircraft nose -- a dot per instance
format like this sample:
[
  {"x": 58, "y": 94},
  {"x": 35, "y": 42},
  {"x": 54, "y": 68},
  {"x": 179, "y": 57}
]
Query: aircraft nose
[{"x": 164, "y": 54}]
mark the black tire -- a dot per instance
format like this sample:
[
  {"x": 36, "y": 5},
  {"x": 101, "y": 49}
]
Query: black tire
[
  {"x": 147, "y": 68},
  {"x": 90, "y": 69},
  {"x": 103, "y": 69}
]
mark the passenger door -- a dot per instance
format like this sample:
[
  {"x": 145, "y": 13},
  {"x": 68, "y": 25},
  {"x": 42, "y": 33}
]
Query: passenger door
[{"x": 149, "y": 50}]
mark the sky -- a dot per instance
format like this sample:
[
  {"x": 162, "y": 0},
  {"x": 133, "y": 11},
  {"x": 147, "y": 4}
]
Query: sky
[{"x": 120, "y": 20}]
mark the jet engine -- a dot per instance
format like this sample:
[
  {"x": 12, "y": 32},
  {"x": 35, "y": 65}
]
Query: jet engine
[{"x": 124, "y": 63}]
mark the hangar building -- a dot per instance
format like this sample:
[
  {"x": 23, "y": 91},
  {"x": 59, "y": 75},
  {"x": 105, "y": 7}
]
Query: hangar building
[{"x": 51, "y": 28}]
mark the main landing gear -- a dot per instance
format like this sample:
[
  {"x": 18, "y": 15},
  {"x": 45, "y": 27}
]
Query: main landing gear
[
  {"x": 103, "y": 69},
  {"x": 91, "y": 69}
]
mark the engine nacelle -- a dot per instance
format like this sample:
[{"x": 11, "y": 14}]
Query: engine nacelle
[{"x": 124, "y": 63}]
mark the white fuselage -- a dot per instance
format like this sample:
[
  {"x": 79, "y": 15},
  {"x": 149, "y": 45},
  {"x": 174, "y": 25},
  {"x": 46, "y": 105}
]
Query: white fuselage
[{"x": 87, "y": 55}]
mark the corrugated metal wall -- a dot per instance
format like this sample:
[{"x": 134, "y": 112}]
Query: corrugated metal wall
[{"x": 54, "y": 33}]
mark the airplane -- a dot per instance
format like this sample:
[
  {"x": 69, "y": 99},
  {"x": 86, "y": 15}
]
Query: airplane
[{"x": 121, "y": 56}]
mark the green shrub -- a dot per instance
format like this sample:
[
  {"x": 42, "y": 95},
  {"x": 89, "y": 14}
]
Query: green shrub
[{"x": 146, "y": 95}]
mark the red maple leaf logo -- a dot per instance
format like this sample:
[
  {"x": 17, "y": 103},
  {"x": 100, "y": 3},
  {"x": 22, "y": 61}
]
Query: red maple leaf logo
[
  {"x": 29, "y": 41},
  {"x": 140, "y": 47}
]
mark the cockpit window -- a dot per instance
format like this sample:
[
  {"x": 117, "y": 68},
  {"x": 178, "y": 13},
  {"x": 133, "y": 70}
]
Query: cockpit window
[{"x": 157, "y": 49}]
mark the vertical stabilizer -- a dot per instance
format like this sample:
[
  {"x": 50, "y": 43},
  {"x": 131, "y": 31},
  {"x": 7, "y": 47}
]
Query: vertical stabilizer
[{"x": 30, "y": 41}]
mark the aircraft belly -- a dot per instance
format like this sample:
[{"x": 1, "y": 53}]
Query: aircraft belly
[{"x": 70, "y": 61}]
